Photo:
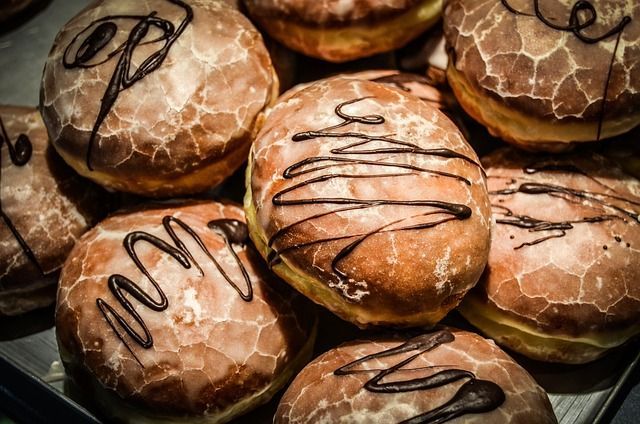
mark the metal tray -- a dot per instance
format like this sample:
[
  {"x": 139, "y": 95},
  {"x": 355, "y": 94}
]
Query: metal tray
[{"x": 32, "y": 383}]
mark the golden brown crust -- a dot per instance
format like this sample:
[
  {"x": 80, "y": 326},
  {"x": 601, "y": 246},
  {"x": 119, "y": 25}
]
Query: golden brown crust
[
  {"x": 543, "y": 73},
  {"x": 313, "y": 396},
  {"x": 211, "y": 349},
  {"x": 340, "y": 31},
  {"x": 579, "y": 285},
  {"x": 177, "y": 130},
  {"x": 49, "y": 205},
  {"x": 327, "y": 13},
  {"x": 403, "y": 277}
]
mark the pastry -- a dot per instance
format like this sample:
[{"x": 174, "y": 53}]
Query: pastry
[
  {"x": 547, "y": 74},
  {"x": 165, "y": 313},
  {"x": 44, "y": 208},
  {"x": 368, "y": 201},
  {"x": 339, "y": 31},
  {"x": 440, "y": 376},
  {"x": 561, "y": 282},
  {"x": 158, "y": 98}
]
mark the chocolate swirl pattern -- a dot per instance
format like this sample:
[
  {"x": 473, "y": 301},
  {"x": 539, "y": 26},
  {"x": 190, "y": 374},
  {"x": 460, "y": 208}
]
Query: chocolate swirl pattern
[
  {"x": 583, "y": 15},
  {"x": 361, "y": 150},
  {"x": 232, "y": 231},
  {"x": 474, "y": 396},
  {"x": 99, "y": 33},
  {"x": 19, "y": 153},
  {"x": 606, "y": 203}
]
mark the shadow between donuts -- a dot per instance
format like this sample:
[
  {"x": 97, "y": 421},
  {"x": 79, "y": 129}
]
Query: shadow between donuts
[
  {"x": 15, "y": 327},
  {"x": 23, "y": 16}
]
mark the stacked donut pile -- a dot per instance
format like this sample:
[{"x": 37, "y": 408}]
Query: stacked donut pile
[{"x": 363, "y": 195}]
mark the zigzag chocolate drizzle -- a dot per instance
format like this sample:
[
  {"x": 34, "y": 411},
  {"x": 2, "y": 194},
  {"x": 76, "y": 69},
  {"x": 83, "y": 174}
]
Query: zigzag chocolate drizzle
[
  {"x": 577, "y": 25},
  {"x": 474, "y": 396},
  {"x": 232, "y": 231},
  {"x": 358, "y": 154},
  {"x": 19, "y": 154},
  {"x": 104, "y": 29}
]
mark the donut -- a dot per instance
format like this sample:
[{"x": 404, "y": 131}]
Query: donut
[
  {"x": 158, "y": 98},
  {"x": 561, "y": 281},
  {"x": 339, "y": 31},
  {"x": 546, "y": 75},
  {"x": 433, "y": 377},
  {"x": 44, "y": 208},
  {"x": 369, "y": 202},
  {"x": 166, "y": 313}
]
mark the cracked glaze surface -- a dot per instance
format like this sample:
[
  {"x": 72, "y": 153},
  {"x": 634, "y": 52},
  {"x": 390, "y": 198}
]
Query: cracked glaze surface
[
  {"x": 581, "y": 284},
  {"x": 330, "y": 12},
  {"x": 318, "y": 396},
  {"x": 541, "y": 71},
  {"x": 211, "y": 348},
  {"x": 397, "y": 273},
  {"x": 49, "y": 204},
  {"x": 197, "y": 110}
]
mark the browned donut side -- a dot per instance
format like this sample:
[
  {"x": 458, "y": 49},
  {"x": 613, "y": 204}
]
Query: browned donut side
[
  {"x": 45, "y": 207},
  {"x": 339, "y": 31}
]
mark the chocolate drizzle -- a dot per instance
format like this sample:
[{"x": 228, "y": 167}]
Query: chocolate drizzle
[
  {"x": 559, "y": 228},
  {"x": 577, "y": 25},
  {"x": 19, "y": 153},
  {"x": 358, "y": 154},
  {"x": 101, "y": 32},
  {"x": 474, "y": 396},
  {"x": 232, "y": 231}
]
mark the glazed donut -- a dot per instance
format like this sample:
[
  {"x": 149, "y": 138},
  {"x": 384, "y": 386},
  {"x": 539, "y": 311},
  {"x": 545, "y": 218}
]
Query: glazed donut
[
  {"x": 339, "y": 31},
  {"x": 561, "y": 282},
  {"x": 428, "y": 377},
  {"x": 358, "y": 195},
  {"x": 167, "y": 314},
  {"x": 44, "y": 208},
  {"x": 544, "y": 75},
  {"x": 162, "y": 105}
]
